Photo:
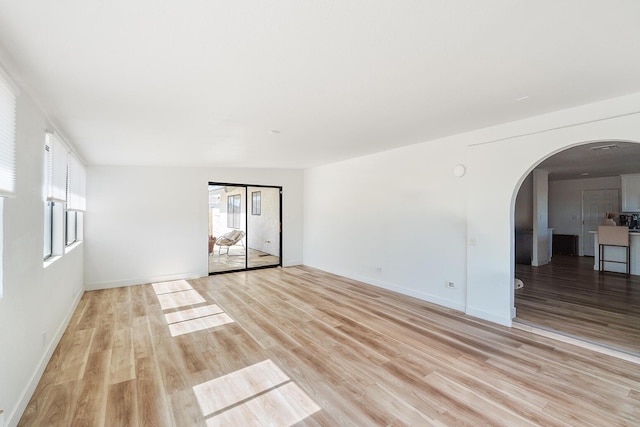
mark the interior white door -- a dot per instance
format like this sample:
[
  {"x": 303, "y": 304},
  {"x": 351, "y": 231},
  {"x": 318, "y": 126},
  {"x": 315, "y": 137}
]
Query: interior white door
[{"x": 595, "y": 203}]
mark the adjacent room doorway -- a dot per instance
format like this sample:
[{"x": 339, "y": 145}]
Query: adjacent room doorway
[
  {"x": 595, "y": 205},
  {"x": 245, "y": 227}
]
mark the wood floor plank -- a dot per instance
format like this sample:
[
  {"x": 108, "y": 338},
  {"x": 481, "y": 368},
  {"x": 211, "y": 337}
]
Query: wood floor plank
[
  {"x": 567, "y": 295},
  {"x": 151, "y": 401},
  {"x": 185, "y": 410},
  {"x": 142, "y": 339},
  {"x": 72, "y": 369},
  {"x": 92, "y": 403},
  {"x": 308, "y": 348},
  {"x": 122, "y": 357},
  {"x": 122, "y": 404},
  {"x": 58, "y": 406}
]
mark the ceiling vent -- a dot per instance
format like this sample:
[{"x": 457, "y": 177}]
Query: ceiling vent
[{"x": 605, "y": 147}]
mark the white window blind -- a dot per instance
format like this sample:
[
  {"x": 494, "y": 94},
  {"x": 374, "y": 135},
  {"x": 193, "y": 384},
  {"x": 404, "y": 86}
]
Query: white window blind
[
  {"x": 7, "y": 141},
  {"x": 57, "y": 169},
  {"x": 76, "y": 185}
]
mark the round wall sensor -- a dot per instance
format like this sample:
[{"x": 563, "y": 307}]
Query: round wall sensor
[{"x": 459, "y": 171}]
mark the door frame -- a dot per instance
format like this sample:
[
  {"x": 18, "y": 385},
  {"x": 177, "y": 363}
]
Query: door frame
[
  {"x": 583, "y": 233},
  {"x": 246, "y": 225}
]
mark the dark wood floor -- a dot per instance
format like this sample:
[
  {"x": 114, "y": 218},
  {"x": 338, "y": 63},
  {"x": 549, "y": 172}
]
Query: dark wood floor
[
  {"x": 567, "y": 295},
  {"x": 297, "y": 346}
]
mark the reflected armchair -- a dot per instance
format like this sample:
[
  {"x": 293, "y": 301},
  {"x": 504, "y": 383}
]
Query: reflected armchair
[{"x": 230, "y": 239}]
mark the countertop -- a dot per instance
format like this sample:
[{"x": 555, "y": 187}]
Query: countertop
[{"x": 635, "y": 232}]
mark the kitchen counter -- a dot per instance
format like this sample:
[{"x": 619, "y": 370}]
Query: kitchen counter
[{"x": 619, "y": 254}]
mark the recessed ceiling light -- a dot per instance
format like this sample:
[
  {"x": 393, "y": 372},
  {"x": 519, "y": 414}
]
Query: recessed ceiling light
[
  {"x": 274, "y": 132},
  {"x": 605, "y": 147},
  {"x": 522, "y": 98}
]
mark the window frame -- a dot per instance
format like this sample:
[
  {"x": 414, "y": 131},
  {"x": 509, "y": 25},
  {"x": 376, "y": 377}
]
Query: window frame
[
  {"x": 234, "y": 208},
  {"x": 70, "y": 227},
  {"x": 48, "y": 230},
  {"x": 256, "y": 203}
]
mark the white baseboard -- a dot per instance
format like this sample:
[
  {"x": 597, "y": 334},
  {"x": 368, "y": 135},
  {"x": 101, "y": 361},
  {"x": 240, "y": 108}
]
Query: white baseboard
[
  {"x": 14, "y": 417},
  {"x": 143, "y": 280},
  {"x": 540, "y": 262},
  {"x": 291, "y": 262},
  {"x": 480, "y": 314},
  {"x": 410, "y": 292}
]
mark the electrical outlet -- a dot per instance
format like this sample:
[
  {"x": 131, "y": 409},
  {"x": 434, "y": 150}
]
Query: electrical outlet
[{"x": 449, "y": 284}]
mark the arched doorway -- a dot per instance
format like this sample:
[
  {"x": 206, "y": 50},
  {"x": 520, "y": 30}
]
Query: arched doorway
[
  {"x": 570, "y": 191},
  {"x": 498, "y": 160}
]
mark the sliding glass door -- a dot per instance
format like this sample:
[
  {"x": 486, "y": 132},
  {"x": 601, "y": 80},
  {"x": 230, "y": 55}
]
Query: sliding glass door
[
  {"x": 244, "y": 227},
  {"x": 263, "y": 226}
]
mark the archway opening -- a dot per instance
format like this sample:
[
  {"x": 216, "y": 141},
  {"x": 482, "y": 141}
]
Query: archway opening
[{"x": 558, "y": 207}]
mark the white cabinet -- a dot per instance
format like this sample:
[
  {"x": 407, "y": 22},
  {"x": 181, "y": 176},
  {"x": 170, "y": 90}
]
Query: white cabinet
[{"x": 630, "y": 193}]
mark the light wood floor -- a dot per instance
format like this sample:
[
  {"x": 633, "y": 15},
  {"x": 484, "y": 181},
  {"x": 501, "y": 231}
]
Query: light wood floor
[
  {"x": 568, "y": 296},
  {"x": 235, "y": 259},
  {"x": 297, "y": 346}
]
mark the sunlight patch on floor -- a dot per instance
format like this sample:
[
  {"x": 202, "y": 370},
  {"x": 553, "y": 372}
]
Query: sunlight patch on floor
[
  {"x": 179, "y": 293},
  {"x": 193, "y": 313},
  {"x": 199, "y": 324},
  {"x": 259, "y": 394},
  {"x": 180, "y": 299},
  {"x": 173, "y": 286}
]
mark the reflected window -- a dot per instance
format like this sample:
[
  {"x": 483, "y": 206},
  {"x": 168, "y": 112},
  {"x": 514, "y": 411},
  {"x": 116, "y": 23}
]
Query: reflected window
[
  {"x": 233, "y": 211},
  {"x": 256, "y": 203}
]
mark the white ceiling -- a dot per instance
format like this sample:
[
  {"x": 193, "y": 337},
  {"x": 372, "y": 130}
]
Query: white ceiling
[
  {"x": 203, "y": 82},
  {"x": 594, "y": 160}
]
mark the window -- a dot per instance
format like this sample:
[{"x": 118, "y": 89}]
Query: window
[
  {"x": 71, "y": 227},
  {"x": 7, "y": 140},
  {"x": 57, "y": 168},
  {"x": 8, "y": 93},
  {"x": 76, "y": 183},
  {"x": 233, "y": 211},
  {"x": 256, "y": 203},
  {"x": 64, "y": 189},
  {"x": 48, "y": 205},
  {"x": 48, "y": 229}
]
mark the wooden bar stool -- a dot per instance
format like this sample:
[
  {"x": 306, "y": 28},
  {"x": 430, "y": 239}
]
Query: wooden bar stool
[{"x": 614, "y": 236}]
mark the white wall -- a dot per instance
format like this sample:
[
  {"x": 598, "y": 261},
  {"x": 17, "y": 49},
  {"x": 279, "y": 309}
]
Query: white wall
[
  {"x": 35, "y": 299},
  {"x": 498, "y": 162},
  {"x": 403, "y": 213},
  {"x": 565, "y": 201},
  {"x": 147, "y": 224},
  {"x": 395, "y": 219},
  {"x": 541, "y": 253},
  {"x": 523, "y": 217}
]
